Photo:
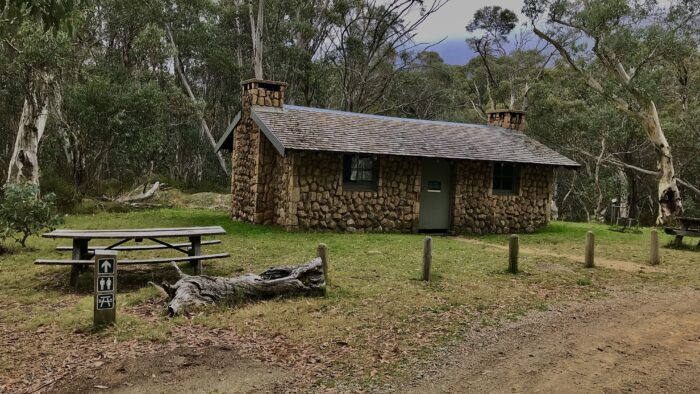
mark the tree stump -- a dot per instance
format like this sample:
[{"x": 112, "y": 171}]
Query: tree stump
[{"x": 199, "y": 290}]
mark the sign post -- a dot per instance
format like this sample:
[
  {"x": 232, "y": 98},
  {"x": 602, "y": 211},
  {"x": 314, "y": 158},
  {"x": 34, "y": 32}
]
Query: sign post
[{"x": 105, "y": 272}]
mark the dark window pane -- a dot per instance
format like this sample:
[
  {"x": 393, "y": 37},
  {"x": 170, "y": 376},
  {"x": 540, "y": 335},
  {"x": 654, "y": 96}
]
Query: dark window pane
[
  {"x": 435, "y": 186},
  {"x": 360, "y": 172},
  {"x": 505, "y": 179},
  {"x": 507, "y": 184}
]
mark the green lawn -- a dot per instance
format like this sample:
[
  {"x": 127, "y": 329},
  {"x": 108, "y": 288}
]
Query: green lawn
[{"x": 378, "y": 318}]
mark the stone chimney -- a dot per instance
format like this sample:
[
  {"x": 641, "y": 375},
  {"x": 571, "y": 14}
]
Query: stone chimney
[
  {"x": 506, "y": 118},
  {"x": 263, "y": 93}
]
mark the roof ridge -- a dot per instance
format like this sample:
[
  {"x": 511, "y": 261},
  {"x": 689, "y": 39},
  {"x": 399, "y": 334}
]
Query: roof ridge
[{"x": 373, "y": 116}]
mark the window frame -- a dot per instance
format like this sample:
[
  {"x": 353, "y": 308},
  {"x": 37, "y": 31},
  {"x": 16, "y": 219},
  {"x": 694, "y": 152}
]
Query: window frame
[
  {"x": 360, "y": 185},
  {"x": 499, "y": 178}
]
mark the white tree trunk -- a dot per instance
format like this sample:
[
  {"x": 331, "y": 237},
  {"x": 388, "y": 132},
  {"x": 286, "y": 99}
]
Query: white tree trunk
[
  {"x": 599, "y": 212},
  {"x": 256, "y": 31},
  {"x": 24, "y": 163},
  {"x": 669, "y": 197},
  {"x": 624, "y": 193},
  {"x": 553, "y": 208}
]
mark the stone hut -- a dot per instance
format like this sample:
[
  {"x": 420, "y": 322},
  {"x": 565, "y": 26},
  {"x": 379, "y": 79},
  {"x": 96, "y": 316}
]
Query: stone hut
[{"x": 316, "y": 169}]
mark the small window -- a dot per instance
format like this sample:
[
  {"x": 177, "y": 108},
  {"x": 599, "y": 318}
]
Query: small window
[
  {"x": 360, "y": 172},
  {"x": 434, "y": 186},
  {"x": 506, "y": 179}
]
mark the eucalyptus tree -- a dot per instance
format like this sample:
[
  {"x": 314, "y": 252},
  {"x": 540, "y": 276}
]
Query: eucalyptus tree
[
  {"x": 509, "y": 61},
  {"x": 36, "y": 35},
  {"x": 49, "y": 14},
  {"x": 617, "y": 46},
  {"x": 372, "y": 43},
  {"x": 36, "y": 59}
]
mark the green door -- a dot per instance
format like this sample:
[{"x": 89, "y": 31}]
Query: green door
[{"x": 435, "y": 195}]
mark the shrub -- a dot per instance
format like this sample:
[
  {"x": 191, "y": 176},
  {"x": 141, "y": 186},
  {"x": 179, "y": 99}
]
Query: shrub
[
  {"x": 24, "y": 212},
  {"x": 63, "y": 189}
]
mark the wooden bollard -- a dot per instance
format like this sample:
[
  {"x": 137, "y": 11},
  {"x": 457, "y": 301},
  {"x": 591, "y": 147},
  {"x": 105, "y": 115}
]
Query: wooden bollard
[
  {"x": 513, "y": 250},
  {"x": 427, "y": 257},
  {"x": 322, "y": 252},
  {"x": 590, "y": 250},
  {"x": 654, "y": 258}
]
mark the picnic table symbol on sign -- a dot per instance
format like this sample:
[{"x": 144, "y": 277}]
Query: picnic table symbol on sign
[
  {"x": 105, "y": 301},
  {"x": 106, "y": 283},
  {"x": 106, "y": 266}
]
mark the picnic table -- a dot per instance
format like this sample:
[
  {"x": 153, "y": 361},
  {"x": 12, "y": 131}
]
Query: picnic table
[
  {"x": 690, "y": 227},
  {"x": 83, "y": 252}
]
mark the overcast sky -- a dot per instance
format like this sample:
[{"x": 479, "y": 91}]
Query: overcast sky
[{"x": 450, "y": 21}]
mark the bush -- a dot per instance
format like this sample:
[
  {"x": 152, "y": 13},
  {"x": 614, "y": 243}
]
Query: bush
[
  {"x": 24, "y": 212},
  {"x": 63, "y": 189}
]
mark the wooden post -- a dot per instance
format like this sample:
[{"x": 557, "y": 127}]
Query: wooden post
[
  {"x": 427, "y": 257},
  {"x": 590, "y": 250},
  {"x": 105, "y": 273},
  {"x": 196, "y": 250},
  {"x": 514, "y": 248},
  {"x": 654, "y": 252},
  {"x": 80, "y": 250},
  {"x": 322, "y": 252}
]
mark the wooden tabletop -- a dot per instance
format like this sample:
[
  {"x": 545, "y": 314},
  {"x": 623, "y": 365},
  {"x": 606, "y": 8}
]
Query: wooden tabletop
[{"x": 136, "y": 233}]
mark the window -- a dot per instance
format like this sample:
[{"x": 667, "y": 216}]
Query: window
[
  {"x": 360, "y": 172},
  {"x": 434, "y": 186},
  {"x": 506, "y": 179}
]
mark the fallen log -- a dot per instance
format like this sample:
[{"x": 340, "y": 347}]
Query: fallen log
[
  {"x": 193, "y": 291},
  {"x": 140, "y": 196}
]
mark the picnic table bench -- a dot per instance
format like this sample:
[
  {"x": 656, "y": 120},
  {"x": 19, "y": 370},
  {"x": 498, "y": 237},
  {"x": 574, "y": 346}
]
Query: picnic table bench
[
  {"x": 83, "y": 252},
  {"x": 690, "y": 227}
]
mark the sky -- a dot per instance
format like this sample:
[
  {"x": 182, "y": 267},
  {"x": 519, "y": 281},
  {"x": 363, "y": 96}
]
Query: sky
[{"x": 449, "y": 24}]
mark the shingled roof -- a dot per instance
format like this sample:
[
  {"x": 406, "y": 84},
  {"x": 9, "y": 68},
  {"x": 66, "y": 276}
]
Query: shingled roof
[{"x": 303, "y": 128}]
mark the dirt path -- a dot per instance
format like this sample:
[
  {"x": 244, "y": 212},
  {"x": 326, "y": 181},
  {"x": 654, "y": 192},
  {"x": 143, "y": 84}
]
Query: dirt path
[
  {"x": 647, "y": 341},
  {"x": 621, "y": 265},
  {"x": 184, "y": 370},
  {"x": 641, "y": 342}
]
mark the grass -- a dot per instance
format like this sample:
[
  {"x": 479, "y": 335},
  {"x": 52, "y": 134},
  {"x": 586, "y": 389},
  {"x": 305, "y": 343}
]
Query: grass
[{"x": 378, "y": 318}]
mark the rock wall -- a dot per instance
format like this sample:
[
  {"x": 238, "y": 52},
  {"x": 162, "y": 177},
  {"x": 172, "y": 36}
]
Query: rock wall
[
  {"x": 478, "y": 211},
  {"x": 255, "y": 162},
  {"x": 244, "y": 166},
  {"x": 318, "y": 200}
]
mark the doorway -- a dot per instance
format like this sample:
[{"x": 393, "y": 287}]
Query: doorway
[{"x": 435, "y": 195}]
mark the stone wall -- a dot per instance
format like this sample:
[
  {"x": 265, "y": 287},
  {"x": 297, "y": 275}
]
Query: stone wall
[
  {"x": 255, "y": 163},
  {"x": 244, "y": 166},
  {"x": 320, "y": 202},
  {"x": 478, "y": 211}
]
